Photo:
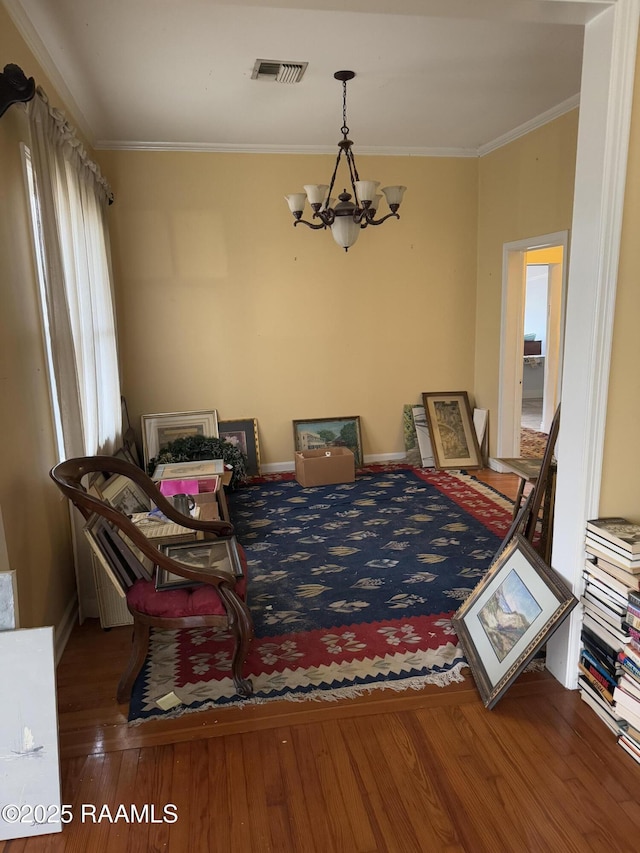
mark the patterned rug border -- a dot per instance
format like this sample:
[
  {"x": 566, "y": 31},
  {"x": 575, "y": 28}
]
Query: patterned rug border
[{"x": 418, "y": 682}]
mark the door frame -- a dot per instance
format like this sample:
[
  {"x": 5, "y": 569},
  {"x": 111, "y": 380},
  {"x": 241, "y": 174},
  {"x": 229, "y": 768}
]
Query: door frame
[{"x": 514, "y": 282}]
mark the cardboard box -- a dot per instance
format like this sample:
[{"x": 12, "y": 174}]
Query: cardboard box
[
  {"x": 325, "y": 467},
  {"x": 208, "y": 504}
]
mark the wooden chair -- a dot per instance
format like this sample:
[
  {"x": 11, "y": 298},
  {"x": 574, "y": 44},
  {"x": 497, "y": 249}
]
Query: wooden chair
[
  {"x": 544, "y": 494},
  {"x": 216, "y": 601},
  {"x": 541, "y": 473}
]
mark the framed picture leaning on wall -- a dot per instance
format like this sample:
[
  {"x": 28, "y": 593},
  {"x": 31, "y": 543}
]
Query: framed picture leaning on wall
[
  {"x": 453, "y": 435},
  {"x": 160, "y": 429},
  {"x": 321, "y": 433},
  {"x": 243, "y": 433}
]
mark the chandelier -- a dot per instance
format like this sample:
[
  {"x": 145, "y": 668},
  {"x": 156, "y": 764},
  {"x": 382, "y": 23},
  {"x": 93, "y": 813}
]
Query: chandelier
[{"x": 347, "y": 218}]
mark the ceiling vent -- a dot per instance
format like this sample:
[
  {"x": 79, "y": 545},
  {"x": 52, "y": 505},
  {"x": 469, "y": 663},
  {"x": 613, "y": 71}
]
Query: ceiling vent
[{"x": 278, "y": 71}]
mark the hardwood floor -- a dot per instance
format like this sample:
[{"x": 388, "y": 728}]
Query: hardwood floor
[{"x": 427, "y": 770}]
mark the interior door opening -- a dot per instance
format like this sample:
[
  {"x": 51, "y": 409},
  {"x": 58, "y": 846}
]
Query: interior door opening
[{"x": 533, "y": 299}]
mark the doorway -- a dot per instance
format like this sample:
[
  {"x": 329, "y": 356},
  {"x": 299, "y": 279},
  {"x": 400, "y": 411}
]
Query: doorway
[{"x": 533, "y": 307}]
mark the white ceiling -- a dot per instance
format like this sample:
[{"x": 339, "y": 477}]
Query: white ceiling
[{"x": 433, "y": 76}]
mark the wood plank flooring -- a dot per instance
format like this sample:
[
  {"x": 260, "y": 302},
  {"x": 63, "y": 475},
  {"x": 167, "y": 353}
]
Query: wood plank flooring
[{"x": 427, "y": 770}]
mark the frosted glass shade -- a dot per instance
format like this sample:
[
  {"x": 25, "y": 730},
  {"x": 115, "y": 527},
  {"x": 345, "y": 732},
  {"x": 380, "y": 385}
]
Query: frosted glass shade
[
  {"x": 345, "y": 231},
  {"x": 316, "y": 193},
  {"x": 375, "y": 204},
  {"x": 393, "y": 194},
  {"x": 296, "y": 202},
  {"x": 366, "y": 190}
]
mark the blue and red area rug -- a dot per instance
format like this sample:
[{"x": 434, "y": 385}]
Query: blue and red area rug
[{"x": 352, "y": 588}]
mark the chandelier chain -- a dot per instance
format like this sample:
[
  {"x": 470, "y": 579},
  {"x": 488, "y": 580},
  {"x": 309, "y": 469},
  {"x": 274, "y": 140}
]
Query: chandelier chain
[{"x": 344, "y": 128}]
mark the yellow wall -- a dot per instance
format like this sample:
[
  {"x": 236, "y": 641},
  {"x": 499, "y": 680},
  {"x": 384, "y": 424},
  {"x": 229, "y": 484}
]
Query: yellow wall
[
  {"x": 525, "y": 190},
  {"x": 552, "y": 255},
  {"x": 36, "y": 520},
  {"x": 620, "y": 492},
  {"x": 223, "y": 304}
]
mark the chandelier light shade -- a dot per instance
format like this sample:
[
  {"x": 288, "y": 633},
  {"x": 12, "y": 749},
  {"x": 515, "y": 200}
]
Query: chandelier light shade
[{"x": 355, "y": 210}]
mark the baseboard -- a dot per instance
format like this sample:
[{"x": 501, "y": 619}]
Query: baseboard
[
  {"x": 384, "y": 457},
  {"x": 277, "y": 468},
  {"x": 284, "y": 467},
  {"x": 65, "y": 627}
]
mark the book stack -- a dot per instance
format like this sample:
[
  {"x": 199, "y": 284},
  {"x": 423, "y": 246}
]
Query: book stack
[
  {"x": 626, "y": 695},
  {"x": 611, "y": 575}
]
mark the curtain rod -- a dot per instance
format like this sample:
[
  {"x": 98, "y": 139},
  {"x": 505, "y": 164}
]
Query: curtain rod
[{"x": 14, "y": 87}]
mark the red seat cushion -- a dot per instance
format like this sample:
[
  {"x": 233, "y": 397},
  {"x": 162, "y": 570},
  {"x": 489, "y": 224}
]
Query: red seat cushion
[{"x": 175, "y": 603}]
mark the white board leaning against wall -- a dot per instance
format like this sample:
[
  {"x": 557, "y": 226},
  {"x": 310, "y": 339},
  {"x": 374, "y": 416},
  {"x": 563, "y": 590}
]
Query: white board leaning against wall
[{"x": 29, "y": 758}]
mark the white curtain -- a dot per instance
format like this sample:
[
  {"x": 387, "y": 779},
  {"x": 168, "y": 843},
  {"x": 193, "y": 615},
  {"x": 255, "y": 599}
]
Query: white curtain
[
  {"x": 73, "y": 198},
  {"x": 75, "y": 264}
]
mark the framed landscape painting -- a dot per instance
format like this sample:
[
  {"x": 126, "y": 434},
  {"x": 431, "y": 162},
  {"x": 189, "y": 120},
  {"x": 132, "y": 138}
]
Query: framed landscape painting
[
  {"x": 160, "y": 429},
  {"x": 243, "y": 434},
  {"x": 509, "y": 616},
  {"x": 453, "y": 435},
  {"x": 329, "y": 432}
]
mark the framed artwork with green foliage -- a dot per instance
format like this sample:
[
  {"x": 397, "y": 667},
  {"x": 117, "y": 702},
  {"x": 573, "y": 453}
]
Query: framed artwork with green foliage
[{"x": 159, "y": 430}]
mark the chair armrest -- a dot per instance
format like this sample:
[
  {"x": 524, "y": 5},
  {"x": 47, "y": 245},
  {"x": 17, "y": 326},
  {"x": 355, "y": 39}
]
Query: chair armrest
[{"x": 68, "y": 475}]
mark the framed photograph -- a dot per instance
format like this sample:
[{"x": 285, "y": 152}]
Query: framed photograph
[
  {"x": 243, "y": 434},
  {"x": 219, "y": 554},
  {"x": 453, "y": 435},
  {"x": 160, "y": 429},
  {"x": 509, "y": 616},
  {"x": 125, "y": 495},
  {"x": 329, "y": 432}
]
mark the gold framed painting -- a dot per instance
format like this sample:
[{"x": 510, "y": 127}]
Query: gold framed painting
[{"x": 453, "y": 436}]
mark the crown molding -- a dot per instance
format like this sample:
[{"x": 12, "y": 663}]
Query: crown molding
[
  {"x": 225, "y": 148},
  {"x": 534, "y": 123},
  {"x": 522, "y": 130},
  {"x": 44, "y": 59}
]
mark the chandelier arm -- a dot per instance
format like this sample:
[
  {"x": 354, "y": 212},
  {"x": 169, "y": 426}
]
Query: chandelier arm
[
  {"x": 383, "y": 219},
  {"x": 309, "y": 224}
]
